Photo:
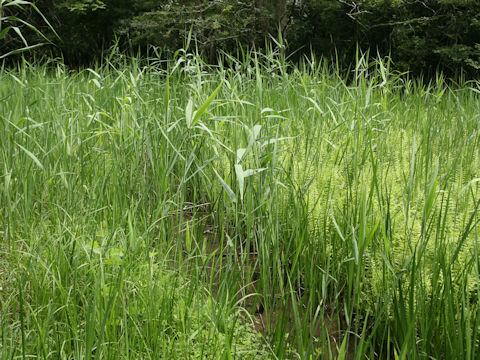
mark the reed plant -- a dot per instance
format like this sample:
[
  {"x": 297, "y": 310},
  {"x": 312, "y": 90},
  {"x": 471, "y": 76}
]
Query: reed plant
[{"x": 252, "y": 209}]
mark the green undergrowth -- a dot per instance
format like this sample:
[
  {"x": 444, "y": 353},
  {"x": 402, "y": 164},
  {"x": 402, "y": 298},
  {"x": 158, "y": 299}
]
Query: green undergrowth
[
  {"x": 102, "y": 299},
  {"x": 254, "y": 209}
]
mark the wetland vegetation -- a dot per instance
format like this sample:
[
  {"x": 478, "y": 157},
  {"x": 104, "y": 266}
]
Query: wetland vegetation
[{"x": 251, "y": 209}]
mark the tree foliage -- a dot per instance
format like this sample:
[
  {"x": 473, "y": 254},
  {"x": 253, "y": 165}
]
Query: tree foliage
[
  {"x": 420, "y": 35},
  {"x": 214, "y": 24}
]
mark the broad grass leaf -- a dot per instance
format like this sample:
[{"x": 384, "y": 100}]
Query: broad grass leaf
[
  {"x": 203, "y": 108},
  {"x": 227, "y": 188},
  {"x": 32, "y": 156},
  {"x": 188, "y": 112}
]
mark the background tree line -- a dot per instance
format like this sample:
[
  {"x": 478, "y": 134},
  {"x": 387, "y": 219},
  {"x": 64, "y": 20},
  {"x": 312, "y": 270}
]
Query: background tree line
[{"x": 421, "y": 36}]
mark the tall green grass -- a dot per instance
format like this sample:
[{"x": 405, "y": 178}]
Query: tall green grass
[{"x": 254, "y": 209}]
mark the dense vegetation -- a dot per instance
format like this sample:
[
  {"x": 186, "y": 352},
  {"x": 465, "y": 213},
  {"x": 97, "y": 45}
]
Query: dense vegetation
[
  {"x": 422, "y": 36},
  {"x": 247, "y": 210},
  {"x": 219, "y": 202}
]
